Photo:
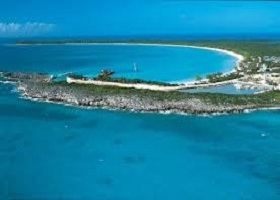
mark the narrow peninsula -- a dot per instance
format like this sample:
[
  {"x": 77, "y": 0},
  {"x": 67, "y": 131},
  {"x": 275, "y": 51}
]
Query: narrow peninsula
[{"x": 260, "y": 67}]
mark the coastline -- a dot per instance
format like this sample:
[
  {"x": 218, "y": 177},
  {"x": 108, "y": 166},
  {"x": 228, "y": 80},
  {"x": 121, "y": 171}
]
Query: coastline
[
  {"x": 143, "y": 101},
  {"x": 163, "y": 112},
  {"x": 239, "y": 57},
  {"x": 125, "y": 85},
  {"x": 174, "y": 112},
  {"x": 125, "y": 96},
  {"x": 146, "y": 100},
  {"x": 140, "y": 99},
  {"x": 144, "y": 86}
]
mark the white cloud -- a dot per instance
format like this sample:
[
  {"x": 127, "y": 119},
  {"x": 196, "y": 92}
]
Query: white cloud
[{"x": 25, "y": 29}]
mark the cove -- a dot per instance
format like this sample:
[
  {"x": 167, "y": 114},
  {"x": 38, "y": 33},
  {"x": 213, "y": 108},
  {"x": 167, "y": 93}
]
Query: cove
[{"x": 154, "y": 62}]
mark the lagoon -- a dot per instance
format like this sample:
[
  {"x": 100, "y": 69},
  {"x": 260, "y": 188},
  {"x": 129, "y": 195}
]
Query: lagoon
[{"x": 224, "y": 89}]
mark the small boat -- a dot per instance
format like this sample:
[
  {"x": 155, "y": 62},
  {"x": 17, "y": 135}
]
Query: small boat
[{"x": 135, "y": 67}]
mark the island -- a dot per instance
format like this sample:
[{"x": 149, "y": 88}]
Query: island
[{"x": 259, "y": 67}]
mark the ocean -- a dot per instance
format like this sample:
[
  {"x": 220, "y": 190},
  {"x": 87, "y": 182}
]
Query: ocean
[{"x": 51, "y": 151}]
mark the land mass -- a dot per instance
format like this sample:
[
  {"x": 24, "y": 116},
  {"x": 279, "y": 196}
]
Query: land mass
[
  {"x": 260, "y": 67},
  {"x": 89, "y": 95},
  {"x": 258, "y": 60}
]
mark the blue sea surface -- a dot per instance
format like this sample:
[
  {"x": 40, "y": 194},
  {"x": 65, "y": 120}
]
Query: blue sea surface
[
  {"x": 160, "y": 63},
  {"x": 51, "y": 151}
]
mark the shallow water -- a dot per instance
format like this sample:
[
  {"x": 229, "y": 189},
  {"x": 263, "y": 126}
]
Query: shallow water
[
  {"x": 224, "y": 89},
  {"x": 158, "y": 63},
  {"x": 54, "y": 151},
  {"x": 50, "y": 151}
]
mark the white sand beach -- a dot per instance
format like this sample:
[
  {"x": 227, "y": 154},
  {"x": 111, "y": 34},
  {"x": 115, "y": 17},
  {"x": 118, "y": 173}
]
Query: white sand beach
[
  {"x": 239, "y": 57},
  {"x": 231, "y": 53},
  {"x": 186, "y": 84},
  {"x": 126, "y": 85}
]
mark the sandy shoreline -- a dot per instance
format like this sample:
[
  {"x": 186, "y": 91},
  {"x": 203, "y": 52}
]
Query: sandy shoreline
[
  {"x": 246, "y": 111},
  {"x": 239, "y": 57},
  {"x": 187, "y": 84},
  {"x": 126, "y": 85}
]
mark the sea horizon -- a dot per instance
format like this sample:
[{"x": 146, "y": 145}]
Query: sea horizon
[{"x": 139, "y": 100}]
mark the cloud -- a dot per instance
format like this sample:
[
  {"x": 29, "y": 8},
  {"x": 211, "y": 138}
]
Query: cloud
[{"x": 25, "y": 29}]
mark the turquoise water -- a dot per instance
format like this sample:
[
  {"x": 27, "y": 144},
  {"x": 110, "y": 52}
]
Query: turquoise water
[
  {"x": 158, "y": 63},
  {"x": 225, "y": 89},
  {"x": 50, "y": 151}
]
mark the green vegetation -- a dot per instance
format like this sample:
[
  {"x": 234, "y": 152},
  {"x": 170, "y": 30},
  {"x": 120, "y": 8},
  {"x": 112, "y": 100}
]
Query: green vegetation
[
  {"x": 115, "y": 90},
  {"x": 220, "y": 77},
  {"x": 273, "y": 64},
  {"x": 254, "y": 63},
  {"x": 267, "y": 99},
  {"x": 108, "y": 78},
  {"x": 252, "y": 50},
  {"x": 246, "y": 48},
  {"x": 276, "y": 70},
  {"x": 131, "y": 81},
  {"x": 261, "y": 56},
  {"x": 26, "y": 76},
  {"x": 77, "y": 76}
]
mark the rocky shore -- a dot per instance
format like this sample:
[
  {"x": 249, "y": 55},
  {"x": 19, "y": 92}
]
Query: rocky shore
[
  {"x": 20, "y": 76},
  {"x": 93, "y": 96},
  {"x": 42, "y": 87}
]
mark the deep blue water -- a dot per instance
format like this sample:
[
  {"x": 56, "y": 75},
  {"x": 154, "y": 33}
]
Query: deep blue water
[{"x": 50, "y": 151}]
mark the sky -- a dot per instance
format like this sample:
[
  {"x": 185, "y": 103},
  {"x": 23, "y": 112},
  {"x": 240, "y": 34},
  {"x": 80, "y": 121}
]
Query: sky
[{"x": 73, "y": 18}]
